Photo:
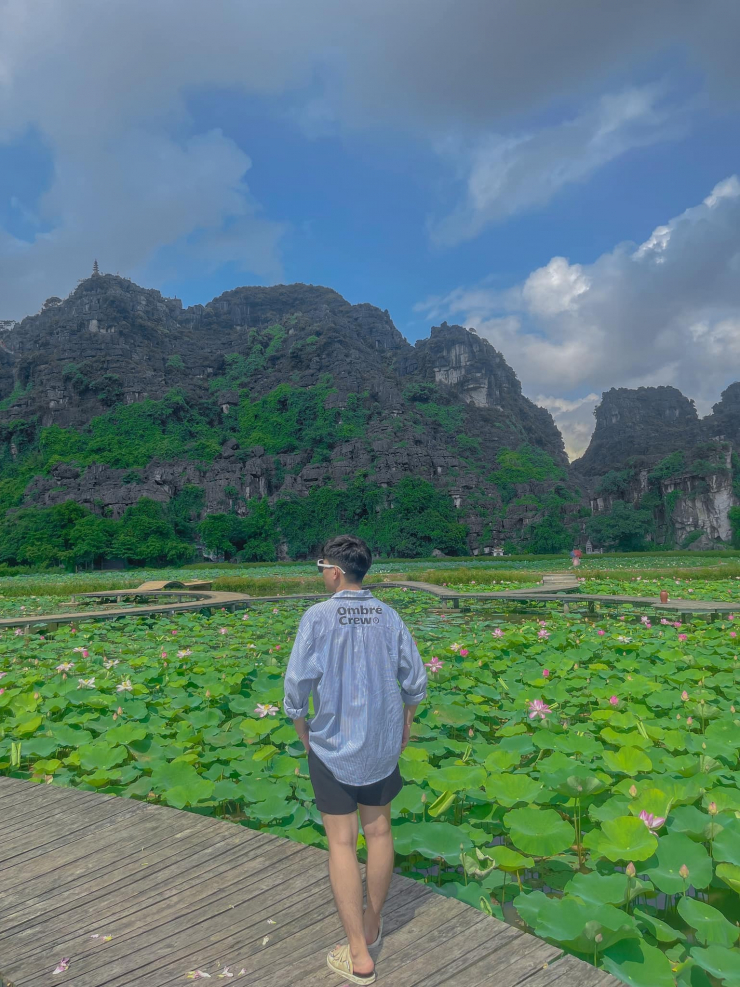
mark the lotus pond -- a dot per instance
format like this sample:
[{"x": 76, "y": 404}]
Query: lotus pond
[{"x": 577, "y": 778}]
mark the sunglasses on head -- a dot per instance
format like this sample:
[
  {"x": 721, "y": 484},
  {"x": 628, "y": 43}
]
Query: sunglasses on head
[{"x": 329, "y": 565}]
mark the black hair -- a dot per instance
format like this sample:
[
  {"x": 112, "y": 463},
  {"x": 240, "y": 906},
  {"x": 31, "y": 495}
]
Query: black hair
[{"x": 351, "y": 554}]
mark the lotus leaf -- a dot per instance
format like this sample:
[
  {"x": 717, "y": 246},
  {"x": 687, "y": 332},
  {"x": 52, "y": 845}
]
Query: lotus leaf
[
  {"x": 505, "y": 859},
  {"x": 458, "y": 778},
  {"x": 730, "y": 874},
  {"x": 627, "y": 761},
  {"x": 720, "y": 962},
  {"x": 599, "y": 889},
  {"x": 437, "y": 839},
  {"x": 539, "y": 832},
  {"x": 674, "y": 852},
  {"x": 622, "y": 838},
  {"x": 709, "y": 924},
  {"x": 510, "y": 789},
  {"x": 93, "y": 757},
  {"x": 638, "y": 964},
  {"x": 657, "y": 928},
  {"x": 727, "y": 844}
]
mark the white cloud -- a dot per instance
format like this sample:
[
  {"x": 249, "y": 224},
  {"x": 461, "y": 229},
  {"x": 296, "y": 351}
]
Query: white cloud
[
  {"x": 666, "y": 311},
  {"x": 507, "y": 175},
  {"x": 105, "y": 86}
]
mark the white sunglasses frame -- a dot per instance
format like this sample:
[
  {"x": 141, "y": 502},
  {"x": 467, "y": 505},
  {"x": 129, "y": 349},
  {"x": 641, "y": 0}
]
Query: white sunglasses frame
[{"x": 325, "y": 565}]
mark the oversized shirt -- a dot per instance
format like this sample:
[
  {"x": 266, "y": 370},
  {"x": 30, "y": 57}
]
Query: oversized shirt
[{"x": 353, "y": 652}]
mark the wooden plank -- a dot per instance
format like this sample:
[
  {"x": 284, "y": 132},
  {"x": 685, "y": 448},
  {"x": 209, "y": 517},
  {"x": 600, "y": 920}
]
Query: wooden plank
[
  {"x": 178, "y": 891},
  {"x": 129, "y": 917}
]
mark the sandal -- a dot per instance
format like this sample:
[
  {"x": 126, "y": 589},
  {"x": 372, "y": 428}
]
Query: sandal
[
  {"x": 340, "y": 961},
  {"x": 372, "y": 945}
]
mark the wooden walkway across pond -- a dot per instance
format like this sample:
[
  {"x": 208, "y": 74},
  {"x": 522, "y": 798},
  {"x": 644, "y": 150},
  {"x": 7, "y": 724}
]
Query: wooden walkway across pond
[
  {"x": 180, "y": 601},
  {"x": 136, "y": 894}
]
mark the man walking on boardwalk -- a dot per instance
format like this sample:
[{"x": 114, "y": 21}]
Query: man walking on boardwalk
[{"x": 352, "y": 653}]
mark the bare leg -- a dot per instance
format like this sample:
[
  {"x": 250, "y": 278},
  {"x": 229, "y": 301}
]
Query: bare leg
[
  {"x": 376, "y": 825},
  {"x": 346, "y": 884}
]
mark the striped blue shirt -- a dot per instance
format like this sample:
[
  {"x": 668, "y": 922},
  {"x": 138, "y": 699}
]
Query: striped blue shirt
[{"x": 353, "y": 652}]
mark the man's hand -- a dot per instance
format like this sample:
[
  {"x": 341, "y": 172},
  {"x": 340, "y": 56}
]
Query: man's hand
[
  {"x": 305, "y": 739},
  {"x": 405, "y": 735}
]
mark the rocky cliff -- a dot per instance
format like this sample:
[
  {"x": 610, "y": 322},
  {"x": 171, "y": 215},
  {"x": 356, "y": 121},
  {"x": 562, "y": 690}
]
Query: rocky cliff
[
  {"x": 207, "y": 376},
  {"x": 651, "y": 449}
]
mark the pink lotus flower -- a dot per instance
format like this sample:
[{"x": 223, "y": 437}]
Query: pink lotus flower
[
  {"x": 18, "y": 631},
  {"x": 265, "y": 710},
  {"x": 664, "y": 621},
  {"x": 652, "y": 822},
  {"x": 174, "y": 631},
  {"x": 245, "y": 617},
  {"x": 125, "y": 686},
  {"x": 613, "y": 700},
  {"x": 601, "y": 632},
  {"x": 645, "y": 620},
  {"x": 434, "y": 665},
  {"x": 538, "y": 708},
  {"x": 464, "y": 652},
  {"x": 689, "y": 720},
  {"x": 682, "y": 637},
  {"x": 3, "y": 674},
  {"x": 684, "y": 695},
  {"x": 2, "y": 691},
  {"x": 544, "y": 634},
  {"x": 545, "y": 673},
  {"x": 62, "y": 966},
  {"x": 677, "y": 624},
  {"x": 455, "y": 646},
  {"x": 163, "y": 655},
  {"x": 498, "y": 632},
  {"x": 275, "y": 610},
  {"x": 110, "y": 663},
  {"x": 66, "y": 666},
  {"x": 185, "y": 653},
  {"x": 86, "y": 683},
  {"x": 733, "y": 634},
  {"x": 223, "y": 630}
]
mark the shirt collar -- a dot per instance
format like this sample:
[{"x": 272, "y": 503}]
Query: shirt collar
[{"x": 353, "y": 594}]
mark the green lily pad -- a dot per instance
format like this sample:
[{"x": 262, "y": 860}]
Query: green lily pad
[
  {"x": 727, "y": 844},
  {"x": 657, "y": 928},
  {"x": 623, "y": 838},
  {"x": 431, "y": 839},
  {"x": 458, "y": 778},
  {"x": 510, "y": 789},
  {"x": 675, "y": 851},
  {"x": 709, "y": 924},
  {"x": 730, "y": 874},
  {"x": 539, "y": 832},
  {"x": 638, "y": 964},
  {"x": 627, "y": 761},
  {"x": 598, "y": 889},
  {"x": 720, "y": 962}
]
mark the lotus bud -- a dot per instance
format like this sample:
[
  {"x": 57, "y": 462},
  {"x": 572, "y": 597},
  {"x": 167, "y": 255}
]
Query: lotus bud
[
  {"x": 598, "y": 937},
  {"x": 633, "y": 791},
  {"x": 683, "y": 870},
  {"x": 119, "y": 710},
  {"x": 115, "y": 716},
  {"x": 37, "y": 695},
  {"x": 297, "y": 770},
  {"x": 630, "y": 870},
  {"x": 684, "y": 695},
  {"x": 712, "y": 809},
  {"x": 732, "y": 709},
  {"x": 703, "y": 747},
  {"x": 689, "y": 720},
  {"x": 208, "y": 693},
  {"x": 471, "y": 732},
  {"x": 48, "y": 779},
  {"x": 423, "y": 797}
]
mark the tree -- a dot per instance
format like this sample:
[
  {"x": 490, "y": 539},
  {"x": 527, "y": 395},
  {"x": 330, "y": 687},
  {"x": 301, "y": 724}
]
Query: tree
[
  {"x": 419, "y": 519},
  {"x": 147, "y": 537},
  {"x": 550, "y": 536},
  {"x": 624, "y": 527}
]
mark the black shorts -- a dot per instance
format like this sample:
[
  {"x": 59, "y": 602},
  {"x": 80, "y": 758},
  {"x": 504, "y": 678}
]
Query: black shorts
[{"x": 335, "y": 798}]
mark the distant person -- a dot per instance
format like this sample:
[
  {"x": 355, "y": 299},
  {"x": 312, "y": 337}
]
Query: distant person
[
  {"x": 576, "y": 556},
  {"x": 352, "y": 653}
]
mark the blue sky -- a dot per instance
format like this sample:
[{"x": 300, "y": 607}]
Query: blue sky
[{"x": 488, "y": 163}]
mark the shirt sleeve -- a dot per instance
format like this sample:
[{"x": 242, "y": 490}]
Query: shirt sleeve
[
  {"x": 302, "y": 672},
  {"x": 412, "y": 676}
]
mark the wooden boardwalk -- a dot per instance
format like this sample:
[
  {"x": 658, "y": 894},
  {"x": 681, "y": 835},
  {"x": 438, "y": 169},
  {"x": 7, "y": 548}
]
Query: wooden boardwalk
[
  {"x": 560, "y": 590},
  {"x": 135, "y": 894}
]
